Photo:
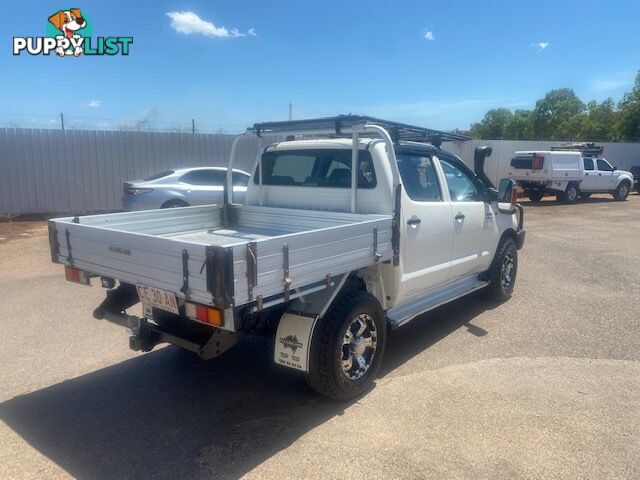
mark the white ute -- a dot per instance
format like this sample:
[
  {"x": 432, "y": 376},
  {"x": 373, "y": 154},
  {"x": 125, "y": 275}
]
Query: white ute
[
  {"x": 570, "y": 172},
  {"x": 344, "y": 235}
]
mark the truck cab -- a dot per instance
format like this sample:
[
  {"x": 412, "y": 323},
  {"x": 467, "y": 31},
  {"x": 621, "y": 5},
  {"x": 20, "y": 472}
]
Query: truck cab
[{"x": 601, "y": 177}]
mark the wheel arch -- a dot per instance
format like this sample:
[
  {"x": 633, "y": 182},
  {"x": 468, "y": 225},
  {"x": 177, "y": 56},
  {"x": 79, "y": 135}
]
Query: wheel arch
[
  {"x": 174, "y": 200},
  {"x": 508, "y": 233},
  {"x": 623, "y": 180}
]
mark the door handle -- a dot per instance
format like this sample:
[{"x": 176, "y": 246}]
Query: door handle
[
  {"x": 599, "y": 174},
  {"x": 459, "y": 216},
  {"x": 413, "y": 221}
]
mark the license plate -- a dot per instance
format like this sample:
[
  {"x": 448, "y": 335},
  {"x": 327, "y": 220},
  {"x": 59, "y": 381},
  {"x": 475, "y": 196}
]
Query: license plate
[{"x": 158, "y": 298}]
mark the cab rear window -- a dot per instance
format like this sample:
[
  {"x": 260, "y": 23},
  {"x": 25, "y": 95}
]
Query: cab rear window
[{"x": 316, "y": 168}]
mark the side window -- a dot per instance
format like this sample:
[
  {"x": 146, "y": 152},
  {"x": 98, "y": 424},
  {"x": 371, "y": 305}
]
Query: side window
[
  {"x": 461, "y": 187},
  {"x": 204, "y": 177},
  {"x": 419, "y": 178},
  {"x": 588, "y": 163},
  {"x": 604, "y": 166}
]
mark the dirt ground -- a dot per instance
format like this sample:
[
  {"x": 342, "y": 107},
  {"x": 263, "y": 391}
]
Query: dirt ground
[{"x": 546, "y": 385}]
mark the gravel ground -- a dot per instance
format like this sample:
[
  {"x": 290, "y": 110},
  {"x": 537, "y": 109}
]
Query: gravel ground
[{"x": 546, "y": 385}]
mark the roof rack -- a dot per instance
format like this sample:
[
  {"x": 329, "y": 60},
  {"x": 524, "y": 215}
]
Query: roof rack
[
  {"x": 588, "y": 149},
  {"x": 336, "y": 125}
]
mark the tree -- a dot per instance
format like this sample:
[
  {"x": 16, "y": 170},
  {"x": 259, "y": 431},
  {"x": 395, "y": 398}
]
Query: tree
[
  {"x": 628, "y": 124},
  {"x": 556, "y": 108},
  {"x": 600, "y": 122},
  {"x": 561, "y": 115},
  {"x": 492, "y": 125},
  {"x": 519, "y": 126}
]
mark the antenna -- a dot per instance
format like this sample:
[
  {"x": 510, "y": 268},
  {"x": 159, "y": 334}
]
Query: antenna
[{"x": 290, "y": 111}]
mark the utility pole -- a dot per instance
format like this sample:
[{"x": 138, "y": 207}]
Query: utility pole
[
  {"x": 62, "y": 120},
  {"x": 290, "y": 111},
  {"x": 193, "y": 126}
]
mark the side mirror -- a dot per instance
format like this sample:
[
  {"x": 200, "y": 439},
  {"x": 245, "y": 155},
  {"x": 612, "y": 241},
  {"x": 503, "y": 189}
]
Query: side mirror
[
  {"x": 507, "y": 195},
  {"x": 614, "y": 168}
]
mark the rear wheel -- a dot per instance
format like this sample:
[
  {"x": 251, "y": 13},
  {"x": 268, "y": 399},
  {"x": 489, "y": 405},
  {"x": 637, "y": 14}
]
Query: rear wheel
[
  {"x": 503, "y": 271},
  {"x": 621, "y": 192},
  {"x": 347, "y": 347},
  {"x": 571, "y": 194}
]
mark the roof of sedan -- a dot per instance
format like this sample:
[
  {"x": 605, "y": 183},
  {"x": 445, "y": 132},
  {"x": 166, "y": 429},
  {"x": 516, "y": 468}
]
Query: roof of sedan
[{"x": 188, "y": 169}]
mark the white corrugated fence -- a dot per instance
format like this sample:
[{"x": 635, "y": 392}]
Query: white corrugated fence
[{"x": 80, "y": 171}]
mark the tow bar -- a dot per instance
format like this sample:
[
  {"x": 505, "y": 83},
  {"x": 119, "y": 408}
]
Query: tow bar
[{"x": 146, "y": 335}]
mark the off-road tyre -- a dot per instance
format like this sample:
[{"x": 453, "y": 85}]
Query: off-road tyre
[
  {"x": 498, "y": 291},
  {"x": 326, "y": 375},
  {"x": 571, "y": 194},
  {"x": 622, "y": 192}
]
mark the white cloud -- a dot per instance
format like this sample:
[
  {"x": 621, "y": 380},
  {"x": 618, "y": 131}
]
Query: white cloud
[
  {"x": 541, "y": 45},
  {"x": 190, "y": 23},
  {"x": 93, "y": 104},
  {"x": 428, "y": 35}
]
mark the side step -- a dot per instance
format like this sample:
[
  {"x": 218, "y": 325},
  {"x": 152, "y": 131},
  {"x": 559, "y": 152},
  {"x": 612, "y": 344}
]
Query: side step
[{"x": 402, "y": 314}]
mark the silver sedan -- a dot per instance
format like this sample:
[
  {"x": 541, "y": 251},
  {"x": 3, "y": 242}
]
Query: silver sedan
[{"x": 182, "y": 188}]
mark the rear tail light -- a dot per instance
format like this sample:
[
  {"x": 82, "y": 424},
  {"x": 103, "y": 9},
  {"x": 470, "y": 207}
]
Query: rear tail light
[
  {"x": 77, "y": 276},
  {"x": 537, "y": 162},
  {"x": 204, "y": 314},
  {"x": 137, "y": 191}
]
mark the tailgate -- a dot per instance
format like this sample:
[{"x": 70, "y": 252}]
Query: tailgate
[{"x": 131, "y": 257}]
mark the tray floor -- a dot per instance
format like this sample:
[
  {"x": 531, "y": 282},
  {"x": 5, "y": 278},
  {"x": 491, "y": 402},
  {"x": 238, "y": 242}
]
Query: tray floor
[{"x": 227, "y": 235}]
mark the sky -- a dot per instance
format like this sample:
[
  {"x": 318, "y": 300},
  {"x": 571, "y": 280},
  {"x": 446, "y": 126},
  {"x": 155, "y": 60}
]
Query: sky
[{"x": 228, "y": 64}]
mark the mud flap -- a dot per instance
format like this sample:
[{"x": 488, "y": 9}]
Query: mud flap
[{"x": 293, "y": 341}]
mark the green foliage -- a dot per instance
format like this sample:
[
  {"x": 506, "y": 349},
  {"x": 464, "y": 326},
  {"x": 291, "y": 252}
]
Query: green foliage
[
  {"x": 561, "y": 115},
  {"x": 493, "y": 123},
  {"x": 554, "y": 114}
]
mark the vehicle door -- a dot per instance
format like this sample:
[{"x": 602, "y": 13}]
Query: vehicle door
[
  {"x": 590, "y": 181},
  {"x": 474, "y": 231},
  {"x": 606, "y": 179},
  {"x": 204, "y": 186},
  {"x": 427, "y": 229}
]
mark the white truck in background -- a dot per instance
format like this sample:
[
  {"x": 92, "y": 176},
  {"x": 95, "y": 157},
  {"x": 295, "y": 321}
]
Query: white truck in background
[
  {"x": 570, "y": 172},
  {"x": 358, "y": 229}
]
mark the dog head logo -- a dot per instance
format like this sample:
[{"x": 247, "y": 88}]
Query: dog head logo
[{"x": 68, "y": 21}]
